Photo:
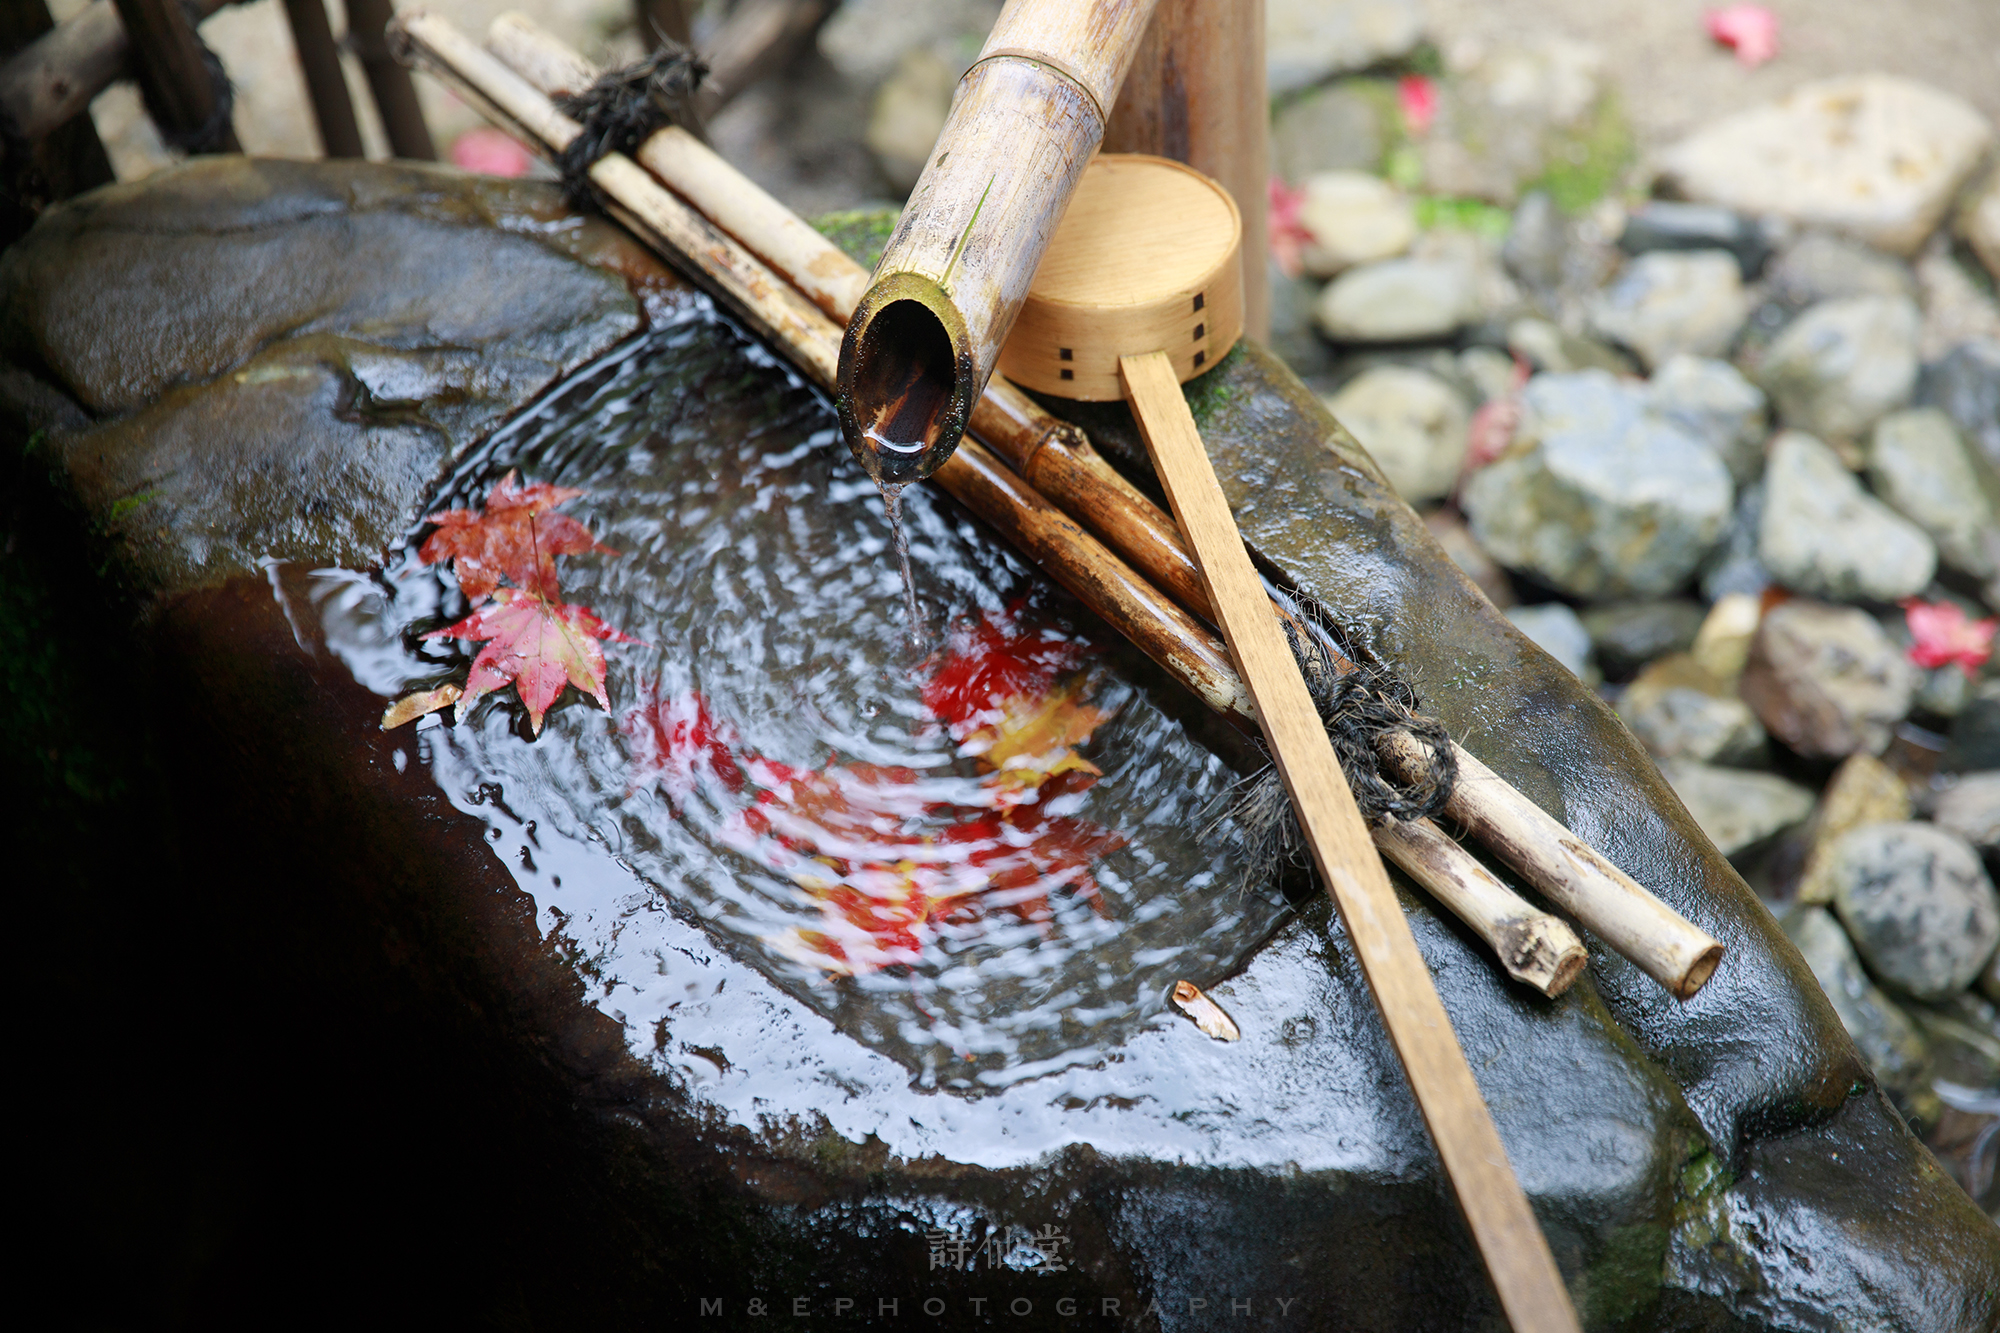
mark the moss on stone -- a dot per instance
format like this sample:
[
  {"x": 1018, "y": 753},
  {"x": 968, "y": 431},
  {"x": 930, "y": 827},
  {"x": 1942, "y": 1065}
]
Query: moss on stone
[
  {"x": 861, "y": 232},
  {"x": 1587, "y": 160}
]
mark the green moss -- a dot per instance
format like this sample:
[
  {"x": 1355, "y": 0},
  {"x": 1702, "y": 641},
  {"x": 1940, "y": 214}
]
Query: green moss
[
  {"x": 860, "y": 232},
  {"x": 1474, "y": 215},
  {"x": 1586, "y": 161},
  {"x": 1209, "y": 392},
  {"x": 120, "y": 508}
]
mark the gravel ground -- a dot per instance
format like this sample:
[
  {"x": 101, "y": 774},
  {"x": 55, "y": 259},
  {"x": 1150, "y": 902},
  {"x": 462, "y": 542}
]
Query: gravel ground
[{"x": 1670, "y": 75}]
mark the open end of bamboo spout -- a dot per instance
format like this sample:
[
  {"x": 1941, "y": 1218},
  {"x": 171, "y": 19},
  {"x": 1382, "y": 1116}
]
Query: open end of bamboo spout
[{"x": 905, "y": 389}]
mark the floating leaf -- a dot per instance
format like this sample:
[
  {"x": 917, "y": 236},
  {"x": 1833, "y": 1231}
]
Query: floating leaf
[
  {"x": 1206, "y": 1013},
  {"x": 514, "y": 538},
  {"x": 413, "y": 706},
  {"x": 536, "y": 644}
]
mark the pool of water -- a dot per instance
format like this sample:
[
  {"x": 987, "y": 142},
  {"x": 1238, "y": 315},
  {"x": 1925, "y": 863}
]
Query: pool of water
[{"x": 987, "y": 855}]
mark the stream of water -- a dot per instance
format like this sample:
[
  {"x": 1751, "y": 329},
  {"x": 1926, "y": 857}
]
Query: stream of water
[{"x": 781, "y": 770}]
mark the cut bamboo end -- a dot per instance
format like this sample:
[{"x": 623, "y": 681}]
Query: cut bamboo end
[
  {"x": 1537, "y": 949},
  {"x": 1104, "y": 292},
  {"x": 906, "y": 381},
  {"x": 1665, "y": 945}
]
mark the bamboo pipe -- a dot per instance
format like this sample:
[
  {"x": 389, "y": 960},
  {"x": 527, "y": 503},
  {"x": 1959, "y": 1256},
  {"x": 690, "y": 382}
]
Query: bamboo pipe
[
  {"x": 1056, "y": 460},
  {"x": 926, "y": 336},
  {"x": 1076, "y": 560},
  {"x": 1160, "y": 629}
]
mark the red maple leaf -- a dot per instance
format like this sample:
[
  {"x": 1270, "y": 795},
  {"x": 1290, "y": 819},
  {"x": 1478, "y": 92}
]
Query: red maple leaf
[
  {"x": 514, "y": 539},
  {"x": 1417, "y": 98},
  {"x": 1750, "y": 30},
  {"x": 1941, "y": 633},
  {"x": 536, "y": 643},
  {"x": 1288, "y": 234}
]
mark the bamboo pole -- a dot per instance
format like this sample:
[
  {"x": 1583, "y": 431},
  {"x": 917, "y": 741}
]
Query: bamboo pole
[
  {"x": 1572, "y": 873},
  {"x": 1510, "y": 1241},
  {"x": 1043, "y": 450},
  {"x": 925, "y": 337},
  {"x": 1196, "y": 94},
  {"x": 326, "y": 84}
]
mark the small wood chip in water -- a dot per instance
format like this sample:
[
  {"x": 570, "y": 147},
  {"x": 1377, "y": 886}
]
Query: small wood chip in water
[
  {"x": 1206, "y": 1013},
  {"x": 413, "y": 706}
]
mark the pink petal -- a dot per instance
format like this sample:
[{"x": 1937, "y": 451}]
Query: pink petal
[
  {"x": 1752, "y": 30},
  {"x": 1417, "y": 96},
  {"x": 491, "y": 152},
  {"x": 1940, "y": 633}
]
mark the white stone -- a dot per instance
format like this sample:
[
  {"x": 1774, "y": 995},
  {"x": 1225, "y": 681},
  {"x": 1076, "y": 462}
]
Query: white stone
[
  {"x": 1308, "y": 40},
  {"x": 1918, "y": 464},
  {"x": 1411, "y": 423},
  {"x": 1353, "y": 218},
  {"x": 1396, "y": 300},
  {"x": 1982, "y": 225},
  {"x": 1823, "y": 535},
  {"x": 1711, "y": 401},
  {"x": 866, "y": 39},
  {"x": 1838, "y": 367},
  {"x": 909, "y": 113},
  {"x": 1873, "y": 155},
  {"x": 1670, "y": 303},
  {"x": 1597, "y": 498}
]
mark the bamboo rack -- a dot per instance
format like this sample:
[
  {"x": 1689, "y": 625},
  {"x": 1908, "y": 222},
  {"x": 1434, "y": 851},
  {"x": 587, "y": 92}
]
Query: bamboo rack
[{"x": 1046, "y": 457}]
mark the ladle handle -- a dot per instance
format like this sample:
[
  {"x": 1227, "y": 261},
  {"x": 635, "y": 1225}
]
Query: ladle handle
[{"x": 1516, "y": 1254}]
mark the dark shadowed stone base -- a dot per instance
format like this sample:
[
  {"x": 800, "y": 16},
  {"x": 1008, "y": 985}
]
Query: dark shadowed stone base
[{"x": 1721, "y": 1164}]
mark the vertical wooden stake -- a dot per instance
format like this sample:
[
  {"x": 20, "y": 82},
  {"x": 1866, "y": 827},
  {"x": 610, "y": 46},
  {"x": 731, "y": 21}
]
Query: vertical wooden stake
[
  {"x": 395, "y": 92},
  {"x": 1516, "y": 1253},
  {"x": 326, "y": 85},
  {"x": 180, "y": 90},
  {"x": 1196, "y": 94}
]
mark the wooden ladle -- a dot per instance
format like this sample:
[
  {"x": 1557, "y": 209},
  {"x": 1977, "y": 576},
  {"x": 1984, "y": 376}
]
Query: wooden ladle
[{"x": 1141, "y": 289}]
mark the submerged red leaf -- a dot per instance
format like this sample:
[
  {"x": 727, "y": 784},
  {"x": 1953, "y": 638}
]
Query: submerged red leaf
[
  {"x": 538, "y": 645},
  {"x": 514, "y": 539},
  {"x": 885, "y": 859}
]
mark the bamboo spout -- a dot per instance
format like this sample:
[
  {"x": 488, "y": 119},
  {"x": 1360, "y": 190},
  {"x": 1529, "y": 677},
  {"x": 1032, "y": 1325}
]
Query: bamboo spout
[{"x": 1028, "y": 116}]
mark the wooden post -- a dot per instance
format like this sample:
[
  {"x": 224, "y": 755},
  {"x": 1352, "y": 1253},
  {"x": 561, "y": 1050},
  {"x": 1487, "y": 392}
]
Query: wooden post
[
  {"x": 182, "y": 93},
  {"x": 757, "y": 37},
  {"x": 326, "y": 85},
  {"x": 395, "y": 94},
  {"x": 1196, "y": 94}
]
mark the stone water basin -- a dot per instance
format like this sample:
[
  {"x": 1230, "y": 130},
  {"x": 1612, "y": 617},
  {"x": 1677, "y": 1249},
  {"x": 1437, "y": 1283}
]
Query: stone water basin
[
  {"x": 730, "y": 1129},
  {"x": 777, "y": 681}
]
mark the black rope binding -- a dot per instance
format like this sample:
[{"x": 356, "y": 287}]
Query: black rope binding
[
  {"x": 1357, "y": 709},
  {"x": 624, "y": 108}
]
